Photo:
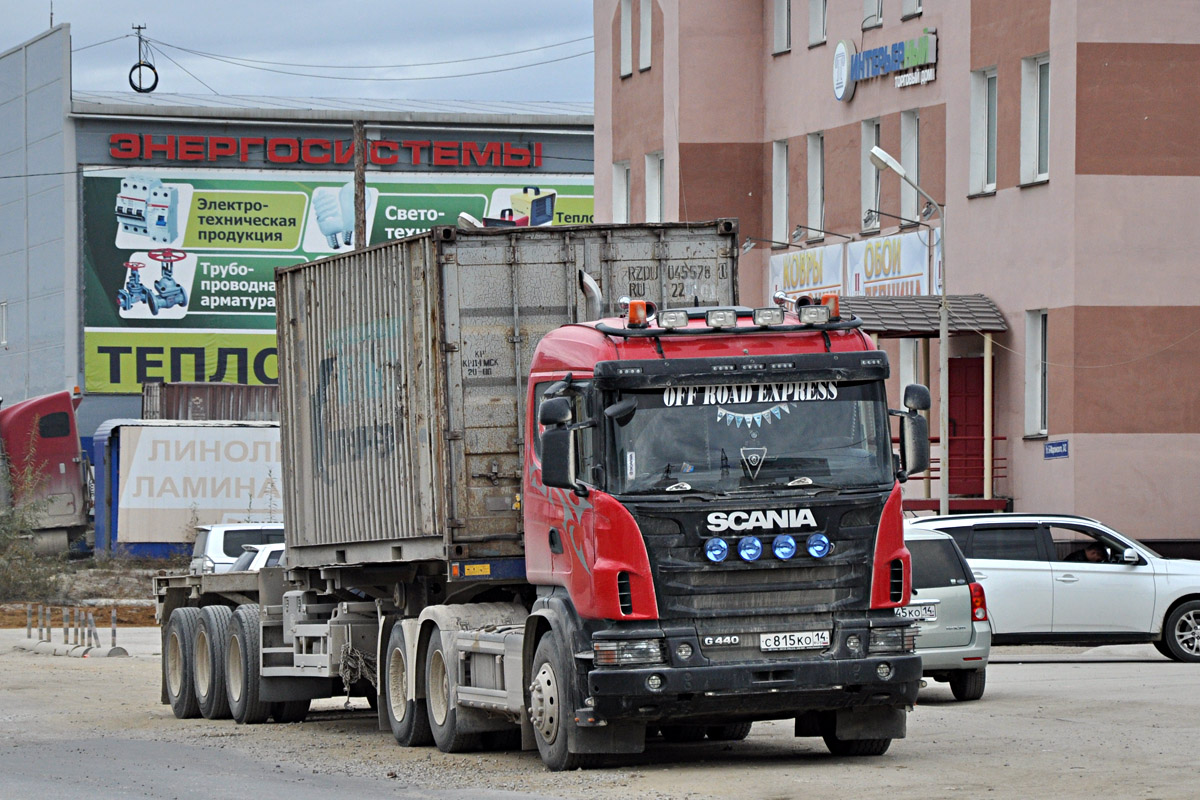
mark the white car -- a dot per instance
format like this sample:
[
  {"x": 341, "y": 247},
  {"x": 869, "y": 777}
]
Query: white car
[
  {"x": 218, "y": 546},
  {"x": 1071, "y": 580},
  {"x": 257, "y": 556}
]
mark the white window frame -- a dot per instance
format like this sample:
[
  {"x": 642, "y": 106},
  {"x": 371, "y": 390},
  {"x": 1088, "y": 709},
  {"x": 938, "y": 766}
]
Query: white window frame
[
  {"x": 818, "y": 17},
  {"x": 782, "y": 39},
  {"x": 910, "y": 362},
  {"x": 626, "y": 22},
  {"x": 645, "y": 9},
  {"x": 1036, "y": 372},
  {"x": 816, "y": 184},
  {"x": 910, "y": 8},
  {"x": 779, "y": 191},
  {"x": 984, "y": 111},
  {"x": 910, "y": 159},
  {"x": 4, "y": 324},
  {"x": 870, "y": 175},
  {"x": 654, "y": 186},
  {"x": 872, "y": 14},
  {"x": 1035, "y": 123},
  {"x": 620, "y": 191}
]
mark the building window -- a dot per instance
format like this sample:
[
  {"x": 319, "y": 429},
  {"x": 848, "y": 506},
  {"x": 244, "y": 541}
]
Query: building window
[
  {"x": 817, "y": 14},
  {"x": 816, "y": 183},
  {"x": 1035, "y": 119},
  {"x": 983, "y": 131},
  {"x": 1036, "y": 373},
  {"x": 870, "y": 176},
  {"x": 4, "y": 324},
  {"x": 644, "y": 9},
  {"x": 783, "y": 26},
  {"x": 872, "y": 14},
  {"x": 910, "y": 159},
  {"x": 654, "y": 186},
  {"x": 621, "y": 191},
  {"x": 910, "y": 8},
  {"x": 626, "y": 38},
  {"x": 779, "y": 192}
]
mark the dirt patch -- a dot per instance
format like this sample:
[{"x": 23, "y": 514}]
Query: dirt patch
[{"x": 13, "y": 615}]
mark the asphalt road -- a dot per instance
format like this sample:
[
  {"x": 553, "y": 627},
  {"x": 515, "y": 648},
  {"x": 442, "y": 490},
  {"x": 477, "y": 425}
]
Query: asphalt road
[{"x": 1114, "y": 722}]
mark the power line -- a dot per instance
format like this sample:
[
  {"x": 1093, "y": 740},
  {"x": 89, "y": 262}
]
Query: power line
[
  {"x": 368, "y": 66},
  {"x": 182, "y": 67},
  {"x": 97, "y": 44},
  {"x": 387, "y": 80}
]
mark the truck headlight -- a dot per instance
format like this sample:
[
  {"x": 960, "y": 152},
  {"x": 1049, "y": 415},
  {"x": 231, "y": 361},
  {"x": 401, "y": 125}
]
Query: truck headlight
[
  {"x": 628, "y": 652},
  {"x": 893, "y": 640}
]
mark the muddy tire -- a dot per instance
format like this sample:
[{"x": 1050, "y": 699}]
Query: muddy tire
[
  {"x": 440, "y": 683},
  {"x": 407, "y": 716},
  {"x": 212, "y": 637},
  {"x": 178, "y": 661},
  {"x": 552, "y": 706},
  {"x": 242, "y": 673}
]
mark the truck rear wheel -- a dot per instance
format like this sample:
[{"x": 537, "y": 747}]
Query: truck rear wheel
[
  {"x": 242, "y": 668},
  {"x": 212, "y": 633},
  {"x": 178, "y": 662},
  {"x": 440, "y": 683},
  {"x": 407, "y": 716},
  {"x": 551, "y": 706}
]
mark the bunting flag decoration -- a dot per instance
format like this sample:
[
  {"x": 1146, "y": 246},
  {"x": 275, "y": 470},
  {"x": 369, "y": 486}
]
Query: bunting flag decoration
[{"x": 754, "y": 419}]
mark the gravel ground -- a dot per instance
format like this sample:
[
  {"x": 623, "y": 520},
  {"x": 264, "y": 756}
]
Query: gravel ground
[{"x": 1112, "y": 721}]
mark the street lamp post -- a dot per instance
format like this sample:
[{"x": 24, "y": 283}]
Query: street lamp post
[{"x": 883, "y": 161}]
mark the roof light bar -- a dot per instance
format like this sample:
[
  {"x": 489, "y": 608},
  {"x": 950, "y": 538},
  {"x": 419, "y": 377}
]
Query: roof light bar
[
  {"x": 721, "y": 318},
  {"x": 813, "y": 315},
  {"x": 768, "y": 316},
  {"x": 675, "y": 318}
]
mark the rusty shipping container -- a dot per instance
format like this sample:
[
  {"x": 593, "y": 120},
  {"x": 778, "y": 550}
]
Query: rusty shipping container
[
  {"x": 403, "y": 374},
  {"x": 210, "y": 401}
]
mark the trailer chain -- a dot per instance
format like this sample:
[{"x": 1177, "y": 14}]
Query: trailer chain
[{"x": 354, "y": 665}]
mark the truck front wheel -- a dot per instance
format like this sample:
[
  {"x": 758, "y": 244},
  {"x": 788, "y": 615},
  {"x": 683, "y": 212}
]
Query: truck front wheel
[
  {"x": 440, "y": 682},
  {"x": 179, "y": 662},
  {"x": 407, "y": 716},
  {"x": 551, "y": 706}
]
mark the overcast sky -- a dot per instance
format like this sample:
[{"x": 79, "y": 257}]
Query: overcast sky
[{"x": 310, "y": 36}]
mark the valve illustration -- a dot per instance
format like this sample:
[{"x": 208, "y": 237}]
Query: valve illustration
[
  {"x": 135, "y": 291},
  {"x": 169, "y": 292}
]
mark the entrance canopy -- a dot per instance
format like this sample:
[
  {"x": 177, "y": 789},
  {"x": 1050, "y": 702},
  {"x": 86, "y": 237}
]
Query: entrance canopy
[{"x": 917, "y": 317}]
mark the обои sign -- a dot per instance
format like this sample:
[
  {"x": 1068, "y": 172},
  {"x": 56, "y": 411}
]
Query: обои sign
[{"x": 914, "y": 60}]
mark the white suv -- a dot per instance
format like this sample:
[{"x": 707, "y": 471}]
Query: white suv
[
  {"x": 1055, "y": 578},
  {"x": 218, "y": 546}
]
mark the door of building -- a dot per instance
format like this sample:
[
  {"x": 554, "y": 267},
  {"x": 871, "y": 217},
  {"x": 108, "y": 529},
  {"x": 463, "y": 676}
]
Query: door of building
[{"x": 966, "y": 426}]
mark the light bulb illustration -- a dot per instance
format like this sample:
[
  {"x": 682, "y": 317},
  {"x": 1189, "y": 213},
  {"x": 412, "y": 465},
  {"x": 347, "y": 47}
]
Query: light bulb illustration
[
  {"x": 329, "y": 217},
  {"x": 346, "y": 199}
]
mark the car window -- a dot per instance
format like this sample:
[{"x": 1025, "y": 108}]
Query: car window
[
  {"x": 935, "y": 564},
  {"x": 1012, "y": 544},
  {"x": 273, "y": 558},
  {"x": 234, "y": 539},
  {"x": 243, "y": 561},
  {"x": 201, "y": 542}
]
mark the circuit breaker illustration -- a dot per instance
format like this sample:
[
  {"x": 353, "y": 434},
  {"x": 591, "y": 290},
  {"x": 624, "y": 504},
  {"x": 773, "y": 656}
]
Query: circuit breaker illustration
[{"x": 146, "y": 207}]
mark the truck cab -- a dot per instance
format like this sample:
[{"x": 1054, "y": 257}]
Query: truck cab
[{"x": 712, "y": 509}]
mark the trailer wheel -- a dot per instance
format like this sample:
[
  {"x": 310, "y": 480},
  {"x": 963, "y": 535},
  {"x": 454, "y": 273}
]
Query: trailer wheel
[
  {"x": 178, "y": 662},
  {"x": 407, "y": 716},
  {"x": 551, "y": 706},
  {"x": 212, "y": 634},
  {"x": 290, "y": 710},
  {"x": 440, "y": 682},
  {"x": 242, "y": 672}
]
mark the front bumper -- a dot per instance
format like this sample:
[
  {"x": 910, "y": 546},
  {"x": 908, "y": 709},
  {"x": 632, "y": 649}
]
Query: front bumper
[{"x": 757, "y": 690}]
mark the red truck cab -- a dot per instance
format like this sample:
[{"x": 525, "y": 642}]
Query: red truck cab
[{"x": 712, "y": 509}]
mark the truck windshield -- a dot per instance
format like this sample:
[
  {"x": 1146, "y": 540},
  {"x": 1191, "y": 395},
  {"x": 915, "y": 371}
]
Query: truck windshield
[{"x": 743, "y": 437}]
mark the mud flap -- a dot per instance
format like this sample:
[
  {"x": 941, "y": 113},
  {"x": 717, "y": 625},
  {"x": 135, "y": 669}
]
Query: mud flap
[
  {"x": 880, "y": 722},
  {"x": 615, "y": 737}
]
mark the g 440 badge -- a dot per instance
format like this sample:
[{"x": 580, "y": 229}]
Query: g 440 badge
[{"x": 722, "y": 641}]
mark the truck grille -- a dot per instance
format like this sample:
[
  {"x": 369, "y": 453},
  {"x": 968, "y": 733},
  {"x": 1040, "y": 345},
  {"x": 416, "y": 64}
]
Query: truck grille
[{"x": 767, "y": 595}]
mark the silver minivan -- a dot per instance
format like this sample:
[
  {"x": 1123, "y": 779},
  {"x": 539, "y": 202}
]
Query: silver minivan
[{"x": 954, "y": 636}]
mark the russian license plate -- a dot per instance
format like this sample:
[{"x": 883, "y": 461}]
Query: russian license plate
[
  {"x": 926, "y": 612},
  {"x": 801, "y": 640}
]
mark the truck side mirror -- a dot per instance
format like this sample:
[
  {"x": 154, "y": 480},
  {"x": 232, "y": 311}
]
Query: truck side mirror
[
  {"x": 555, "y": 411},
  {"x": 914, "y": 441},
  {"x": 558, "y": 458},
  {"x": 916, "y": 397}
]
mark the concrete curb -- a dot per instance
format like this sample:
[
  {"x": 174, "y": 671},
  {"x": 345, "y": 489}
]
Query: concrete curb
[{"x": 72, "y": 650}]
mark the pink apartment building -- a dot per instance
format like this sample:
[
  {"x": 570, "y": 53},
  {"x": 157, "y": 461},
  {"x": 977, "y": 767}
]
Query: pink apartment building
[{"x": 1060, "y": 137}]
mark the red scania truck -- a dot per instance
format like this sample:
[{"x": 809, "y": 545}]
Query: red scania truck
[{"x": 516, "y": 503}]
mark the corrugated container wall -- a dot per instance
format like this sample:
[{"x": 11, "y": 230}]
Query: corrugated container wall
[
  {"x": 205, "y": 401},
  {"x": 402, "y": 374}
]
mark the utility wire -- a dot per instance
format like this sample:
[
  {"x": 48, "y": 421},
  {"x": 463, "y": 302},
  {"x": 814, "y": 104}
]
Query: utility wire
[
  {"x": 97, "y": 44},
  {"x": 367, "y": 66},
  {"x": 182, "y": 67},
  {"x": 389, "y": 80}
]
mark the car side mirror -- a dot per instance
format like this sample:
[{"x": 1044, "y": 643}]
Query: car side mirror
[{"x": 1130, "y": 556}]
